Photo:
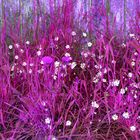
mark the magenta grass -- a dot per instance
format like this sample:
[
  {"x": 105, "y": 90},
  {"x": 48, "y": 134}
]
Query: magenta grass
[{"x": 68, "y": 72}]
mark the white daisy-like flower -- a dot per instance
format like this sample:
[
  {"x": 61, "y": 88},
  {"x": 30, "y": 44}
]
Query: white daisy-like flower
[
  {"x": 41, "y": 62},
  {"x": 94, "y": 104},
  {"x": 24, "y": 64},
  {"x": 38, "y": 53},
  {"x": 115, "y": 117},
  {"x": 67, "y": 54},
  {"x": 133, "y": 63},
  {"x": 10, "y": 47},
  {"x": 132, "y": 35},
  {"x": 16, "y": 57},
  {"x": 95, "y": 80},
  {"x": 104, "y": 80},
  {"x": 73, "y": 33},
  {"x": 82, "y": 65},
  {"x": 47, "y": 120},
  {"x": 89, "y": 44},
  {"x": 56, "y": 38},
  {"x": 135, "y": 53},
  {"x": 67, "y": 46},
  {"x": 125, "y": 115},
  {"x": 130, "y": 75},
  {"x": 116, "y": 83},
  {"x": 17, "y": 45},
  {"x": 68, "y": 123},
  {"x": 84, "y": 34},
  {"x": 132, "y": 128},
  {"x": 122, "y": 91},
  {"x": 31, "y": 64},
  {"x": 21, "y": 50},
  {"x": 30, "y": 71},
  {"x": 27, "y": 42},
  {"x": 56, "y": 63},
  {"x": 73, "y": 65}
]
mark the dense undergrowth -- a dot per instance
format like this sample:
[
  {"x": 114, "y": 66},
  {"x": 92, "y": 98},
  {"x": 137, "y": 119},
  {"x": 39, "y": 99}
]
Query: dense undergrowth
[{"x": 65, "y": 77}]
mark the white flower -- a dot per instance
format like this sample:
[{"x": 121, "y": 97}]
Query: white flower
[
  {"x": 130, "y": 75},
  {"x": 82, "y": 65},
  {"x": 132, "y": 63},
  {"x": 38, "y": 53},
  {"x": 31, "y": 64},
  {"x": 73, "y": 65},
  {"x": 89, "y": 44},
  {"x": 16, "y": 57},
  {"x": 68, "y": 123},
  {"x": 67, "y": 54},
  {"x": 131, "y": 35},
  {"x": 17, "y": 45},
  {"x": 47, "y": 120},
  {"x": 10, "y": 47},
  {"x": 30, "y": 71},
  {"x": 84, "y": 34},
  {"x": 27, "y": 42},
  {"x": 57, "y": 63},
  {"x": 53, "y": 138},
  {"x": 115, "y": 117},
  {"x": 73, "y": 33},
  {"x": 85, "y": 55},
  {"x": 95, "y": 80},
  {"x": 67, "y": 46},
  {"x": 122, "y": 91},
  {"x": 24, "y": 63},
  {"x": 125, "y": 115},
  {"x": 104, "y": 80},
  {"x": 132, "y": 128},
  {"x": 94, "y": 104},
  {"x": 135, "y": 53},
  {"x": 41, "y": 62},
  {"x": 56, "y": 38},
  {"x": 116, "y": 83},
  {"x": 21, "y": 50}
]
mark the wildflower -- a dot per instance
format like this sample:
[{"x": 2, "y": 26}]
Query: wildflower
[
  {"x": 21, "y": 50},
  {"x": 95, "y": 80},
  {"x": 57, "y": 63},
  {"x": 31, "y": 65},
  {"x": 116, "y": 83},
  {"x": 130, "y": 75},
  {"x": 82, "y": 65},
  {"x": 132, "y": 128},
  {"x": 132, "y": 63},
  {"x": 56, "y": 38},
  {"x": 132, "y": 35},
  {"x": 27, "y": 42},
  {"x": 84, "y": 34},
  {"x": 73, "y": 65},
  {"x": 30, "y": 71},
  {"x": 38, "y": 53},
  {"x": 115, "y": 117},
  {"x": 68, "y": 123},
  {"x": 94, "y": 104},
  {"x": 66, "y": 59},
  {"x": 104, "y": 80},
  {"x": 135, "y": 53},
  {"x": 73, "y": 33},
  {"x": 47, "y": 60},
  {"x": 125, "y": 115},
  {"x": 89, "y": 44},
  {"x": 47, "y": 120},
  {"x": 17, "y": 45},
  {"x": 24, "y": 63},
  {"x": 67, "y": 54},
  {"x": 122, "y": 91},
  {"x": 16, "y": 57},
  {"x": 10, "y": 47},
  {"x": 67, "y": 46}
]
